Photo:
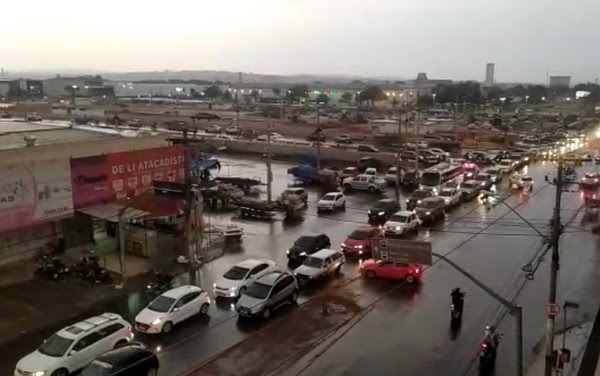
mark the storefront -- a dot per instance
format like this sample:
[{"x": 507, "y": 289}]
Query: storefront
[
  {"x": 34, "y": 198},
  {"x": 119, "y": 185}
]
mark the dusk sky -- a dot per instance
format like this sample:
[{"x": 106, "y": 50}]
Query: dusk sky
[{"x": 445, "y": 38}]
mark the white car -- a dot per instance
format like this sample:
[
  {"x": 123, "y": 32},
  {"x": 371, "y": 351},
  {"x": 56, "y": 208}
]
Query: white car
[
  {"x": 332, "y": 201},
  {"x": 505, "y": 166},
  {"x": 401, "y": 223},
  {"x": 172, "y": 307},
  {"x": 365, "y": 183},
  {"x": 237, "y": 279},
  {"x": 74, "y": 347},
  {"x": 371, "y": 171},
  {"x": 495, "y": 174},
  {"x": 451, "y": 196},
  {"x": 213, "y": 128},
  {"x": 442, "y": 153},
  {"x": 525, "y": 182}
]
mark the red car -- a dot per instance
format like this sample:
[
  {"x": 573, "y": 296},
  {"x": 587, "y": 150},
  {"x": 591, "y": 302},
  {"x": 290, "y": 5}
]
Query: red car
[
  {"x": 411, "y": 273},
  {"x": 358, "y": 243}
]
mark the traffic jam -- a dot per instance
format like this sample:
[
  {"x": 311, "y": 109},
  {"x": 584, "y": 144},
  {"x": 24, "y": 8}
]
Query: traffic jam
[{"x": 257, "y": 287}]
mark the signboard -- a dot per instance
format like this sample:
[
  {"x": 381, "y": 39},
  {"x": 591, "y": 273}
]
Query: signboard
[
  {"x": 35, "y": 193},
  {"x": 402, "y": 250},
  {"x": 89, "y": 178},
  {"x": 132, "y": 173}
]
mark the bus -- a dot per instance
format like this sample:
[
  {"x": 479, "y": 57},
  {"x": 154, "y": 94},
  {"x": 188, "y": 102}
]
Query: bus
[{"x": 434, "y": 177}]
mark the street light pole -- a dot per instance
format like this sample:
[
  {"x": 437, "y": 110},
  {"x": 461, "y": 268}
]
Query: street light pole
[
  {"x": 554, "y": 241},
  {"x": 397, "y": 185},
  {"x": 318, "y": 138},
  {"x": 269, "y": 171}
]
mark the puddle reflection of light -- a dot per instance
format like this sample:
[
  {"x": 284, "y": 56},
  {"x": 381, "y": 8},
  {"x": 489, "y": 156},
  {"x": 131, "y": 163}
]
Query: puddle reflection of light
[
  {"x": 525, "y": 170},
  {"x": 232, "y": 307},
  {"x": 158, "y": 349}
]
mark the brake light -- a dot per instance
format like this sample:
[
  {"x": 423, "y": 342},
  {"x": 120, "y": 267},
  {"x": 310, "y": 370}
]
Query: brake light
[
  {"x": 128, "y": 327},
  {"x": 483, "y": 346}
]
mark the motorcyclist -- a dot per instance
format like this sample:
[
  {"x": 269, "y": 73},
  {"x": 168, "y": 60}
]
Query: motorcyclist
[
  {"x": 457, "y": 298},
  {"x": 490, "y": 337}
]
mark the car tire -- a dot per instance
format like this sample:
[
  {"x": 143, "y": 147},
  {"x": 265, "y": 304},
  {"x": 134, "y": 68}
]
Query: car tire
[
  {"x": 204, "y": 308},
  {"x": 338, "y": 270},
  {"x": 120, "y": 343},
  {"x": 371, "y": 274},
  {"x": 167, "y": 327},
  {"x": 372, "y": 189},
  {"x": 266, "y": 314},
  {"x": 152, "y": 372},
  {"x": 60, "y": 372},
  {"x": 410, "y": 279},
  {"x": 347, "y": 187},
  {"x": 344, "y": 205},
  {"x": 241, "y": 291},
  {"x": 294, "y": 297}
]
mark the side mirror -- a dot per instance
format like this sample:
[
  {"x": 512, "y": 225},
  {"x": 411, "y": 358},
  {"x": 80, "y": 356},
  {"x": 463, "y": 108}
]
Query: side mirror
[
  {"x": 175, "y": 309},
  {"x": 72, "y": 352}
]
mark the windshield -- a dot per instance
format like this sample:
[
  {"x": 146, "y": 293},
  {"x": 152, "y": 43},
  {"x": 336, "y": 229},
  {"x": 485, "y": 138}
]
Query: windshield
[
  {"x": 466, "y": 185},
  {"x": 305, "y": 241},
  {"x": 481, "y": 177},
  {"x": 328, "y": 198},
  {"x": 526, "y": 179},
  {"x": 161, "y": 304},
  {"x": 288, "y": 192},
  {"x": 258, "y": 290},
  {"x": 431, "y": 178},
  {"x": 504, "y": 163},
  {"x": 236, "y": 273},
  {"x": 313, "y": 262},
  {"x": 590, "y": 176},
  {"x": 492, "y": 171},
  {"x": 349, "y": 170},
  {"x": 55, "y": 346},
  {"x": 359, "y": 235},
  {"x": 429, "y": 204},
  {"x": 399, "y": 218},
  {"x": 445, "y": 193},
  {"x": 97, "y": 368},
  {"x": 419, "y": 194}
]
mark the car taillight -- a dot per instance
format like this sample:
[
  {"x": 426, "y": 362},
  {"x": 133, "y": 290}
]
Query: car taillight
[
  {"x": 128, "y": 328},
  {"x": 483, "y": 346}
]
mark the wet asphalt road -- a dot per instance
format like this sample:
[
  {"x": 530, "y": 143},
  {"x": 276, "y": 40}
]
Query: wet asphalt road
[{"x": 407, "y": 332}]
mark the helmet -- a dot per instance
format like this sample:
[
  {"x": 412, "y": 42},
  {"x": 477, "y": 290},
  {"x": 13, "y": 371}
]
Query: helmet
[{"x": 456, "y": 289}]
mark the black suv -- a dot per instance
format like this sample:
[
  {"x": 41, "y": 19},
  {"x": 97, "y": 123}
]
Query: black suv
[
  {"x": 307, "y": 245},
  {"x": 132, "y": 360},
  {"x": 416, "y": 197},
  {"x": 382, "y": 210}
]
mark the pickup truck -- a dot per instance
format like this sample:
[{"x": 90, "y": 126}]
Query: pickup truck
[{"x": 364, "y": 183}]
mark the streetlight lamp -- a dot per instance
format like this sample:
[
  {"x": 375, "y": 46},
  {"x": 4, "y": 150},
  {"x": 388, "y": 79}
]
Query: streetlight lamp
[
  {"x": 433, "y": 95},
  {"x": 527, "y": 99}
]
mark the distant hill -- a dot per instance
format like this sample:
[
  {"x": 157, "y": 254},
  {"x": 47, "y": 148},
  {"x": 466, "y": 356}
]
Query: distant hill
[{"x": 209, "y": 75}]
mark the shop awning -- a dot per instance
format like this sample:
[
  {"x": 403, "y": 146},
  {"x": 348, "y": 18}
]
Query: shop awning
[
  {"x": 110, "y": 212},
  {"x": 158, "y": 206}
]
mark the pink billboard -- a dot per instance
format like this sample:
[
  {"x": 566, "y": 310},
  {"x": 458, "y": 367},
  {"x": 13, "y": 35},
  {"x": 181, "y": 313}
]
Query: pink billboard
[
  {"x": 89, "y": 177},
  {"x": 35, "y": 193}
]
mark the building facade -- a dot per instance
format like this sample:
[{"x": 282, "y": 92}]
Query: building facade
[
  {"x": 489, "y": 74},
  {"x": 559, "y": 81}
]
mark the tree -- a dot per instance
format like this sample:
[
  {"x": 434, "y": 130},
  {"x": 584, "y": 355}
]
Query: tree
[
  {"x": 322, "y": 98},
  {"x": 424, "y": 101},
  {"x": 466, "y": 91},
  {"x": 298, "y": 91},
  {"x": 395, "y": 102},
  {"x": 226, "y": 96},
  {"x": 536, "y": 93},
  {"x": 255, "y": 94},
  {"x": 371, "y": 94},
  {"x": 194, "y": 93},
  {"x": 277, "y": 92},
  {"x": 517, "y": 91},
  {"x": 494, "y": 92},
  {"x": 346, "y": 98},
  {"x": 212, "y": 92}
]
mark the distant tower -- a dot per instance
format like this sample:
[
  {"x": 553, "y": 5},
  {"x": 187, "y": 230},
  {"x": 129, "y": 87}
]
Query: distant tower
[{"x": 489, "y": 74}]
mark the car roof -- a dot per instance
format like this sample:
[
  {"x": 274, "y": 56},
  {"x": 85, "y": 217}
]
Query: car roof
[
  {"x": 432, "y": 199},
  {"x": 85, "y": 326},
  {"x": 293, "y": 189},
  {"x": 470, "y": 181},
  {"x": 324, "y": 253},
  {"x": 386, "y": 201},
  {"x": 403, "y": 212},
  {"x": 272, "y": 277},
  {"x": 447, "y": 189},
  {"x": 250, "y": 263},
  {"x": 122, "y": 354},
  {"x": 332, "y": 193},
  {"x": 180, "y": 291},
  {"x": 482, "y": 174}
]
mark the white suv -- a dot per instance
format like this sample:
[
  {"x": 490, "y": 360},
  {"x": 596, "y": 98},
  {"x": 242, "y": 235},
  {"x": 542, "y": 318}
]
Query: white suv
[
  {"x": 332, "y": 201},
  {"x": 237, "y": 279},
  {"x": 74, "y": 347},
  {"x": 172, "y": 307},
  {"x": 400, "y": 223},
  {"x": 320, "y": 264}
]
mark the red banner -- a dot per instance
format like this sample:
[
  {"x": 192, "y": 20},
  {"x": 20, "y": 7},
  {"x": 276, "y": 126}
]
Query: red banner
[
  {"x": 132, "y": 173},
  {"x": 89, "y": 178}
]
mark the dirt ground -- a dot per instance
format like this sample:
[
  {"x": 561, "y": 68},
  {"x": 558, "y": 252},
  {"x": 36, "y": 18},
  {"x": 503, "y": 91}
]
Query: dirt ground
[{"x": 293, "y": 334}]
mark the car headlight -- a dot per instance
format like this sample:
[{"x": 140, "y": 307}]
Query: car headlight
[
  {"x": 418, "y": 201},
  {"x": 214, "y": 285},
  {"x": 156, "y": 322},
  {"x": 39, "y": 373},
  {"x": 407, "y": 200},
  {"x": 359, "y": 246},
  {"x": 398, "y": 228},
  {"x": 287, "y": 252},
  {"x": 427, "y": 213},
  {"x": 302, "y": 253},
  {"x": 381, "y": 213}
]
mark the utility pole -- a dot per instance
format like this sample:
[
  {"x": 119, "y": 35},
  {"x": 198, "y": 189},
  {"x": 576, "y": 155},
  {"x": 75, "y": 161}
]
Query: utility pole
[
  {"x": 187, "y": 194},
  {"x": 554, "y": 241},
  {"x": 397, "y": 186},
  {"x": 318, "y": 139},
  {"x": 269, "y": 171}
]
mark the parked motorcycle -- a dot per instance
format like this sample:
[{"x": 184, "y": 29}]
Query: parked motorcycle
[
  {"x": 88, "y": 268},
  {"x": 50, "y": 268}
]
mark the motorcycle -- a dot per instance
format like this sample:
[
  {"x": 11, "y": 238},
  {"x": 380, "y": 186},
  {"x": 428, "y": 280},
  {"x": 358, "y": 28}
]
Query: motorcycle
[
  {"x": 456, "y": 308},
  {"x": 51, "y": 268},
  {"x": 487, "y": 349},
  {"x": 88, "y": 268}
]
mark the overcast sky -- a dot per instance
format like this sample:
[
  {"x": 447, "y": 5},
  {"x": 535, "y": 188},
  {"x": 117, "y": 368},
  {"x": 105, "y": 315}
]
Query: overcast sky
[{"x": 445, "y": 38}]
